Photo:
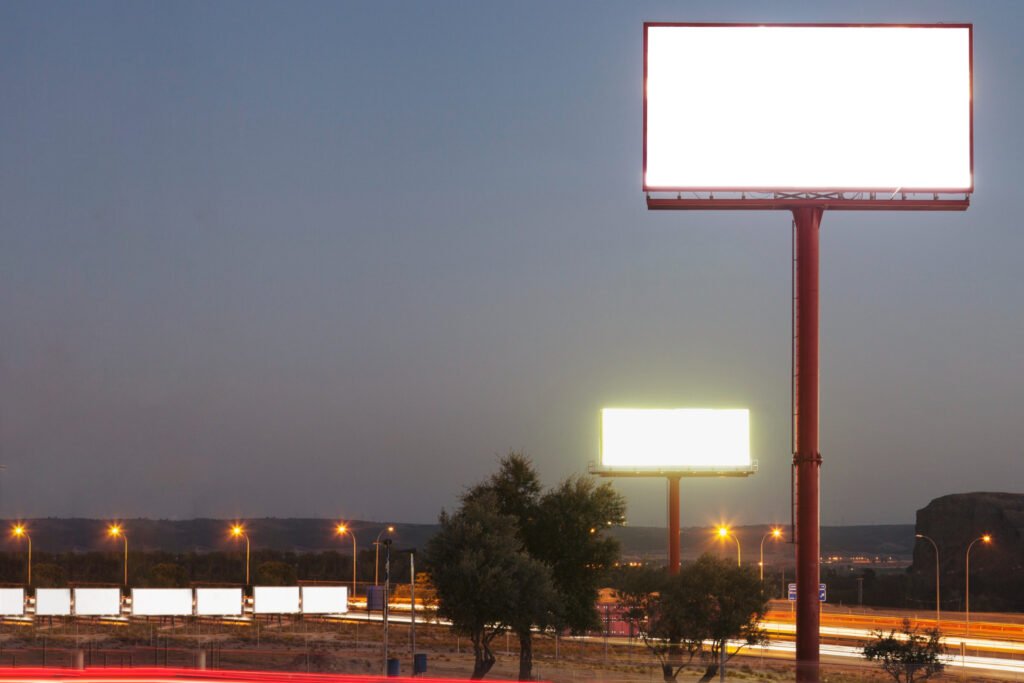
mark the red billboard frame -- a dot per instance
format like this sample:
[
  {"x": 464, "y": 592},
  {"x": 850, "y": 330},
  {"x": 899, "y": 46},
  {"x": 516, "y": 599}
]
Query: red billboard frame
[{"x": 854, "y": 198}]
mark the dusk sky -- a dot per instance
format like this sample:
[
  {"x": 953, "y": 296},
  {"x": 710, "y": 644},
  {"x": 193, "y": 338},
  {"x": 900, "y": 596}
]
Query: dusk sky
[{"x": 304, "y": 259}]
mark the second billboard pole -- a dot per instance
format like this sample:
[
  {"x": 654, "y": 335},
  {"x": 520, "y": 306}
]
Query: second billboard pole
[{"x": 806, "y": 457}]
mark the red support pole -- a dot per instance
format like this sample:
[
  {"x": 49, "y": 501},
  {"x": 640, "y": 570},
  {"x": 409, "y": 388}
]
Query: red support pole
[
  {"x": 673, "y": 525},
  {"x": 806, "y": 457}
]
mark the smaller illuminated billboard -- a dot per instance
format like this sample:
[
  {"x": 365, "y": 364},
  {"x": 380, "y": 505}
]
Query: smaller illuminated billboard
[
  {"x": 324, "y": 599},
  {"x": 97, "y": 602},
  {"x": 161, "y": 602},
  {"x": 12, "y": 602},
  {"x": 676, "y": 440},
  {"x": 219, "y": 602},
  {"x": 275, "y": 599},
  {"x": 53, "y": 602}
]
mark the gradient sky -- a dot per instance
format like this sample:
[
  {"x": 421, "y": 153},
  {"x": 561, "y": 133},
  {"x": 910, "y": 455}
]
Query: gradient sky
[{"x": 278, "y": 259}]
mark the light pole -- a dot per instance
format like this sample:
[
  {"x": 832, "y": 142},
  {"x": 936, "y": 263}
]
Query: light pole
[
  {"x": 723, "y": 532},
  {"x": 19, "y": 531},
  {"x": 238, "y": 531},
  {"x": 775, "y": 533},
  {"x": 376, "y": 558},
  {"x": 936, "y": 575},
  {"x": 117, "y": 531},
  {"x": 987, "y": 538},
  {"x": 342, "y": 530}
]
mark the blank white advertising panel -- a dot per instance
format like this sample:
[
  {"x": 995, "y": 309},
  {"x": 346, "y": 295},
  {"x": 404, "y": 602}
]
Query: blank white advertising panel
[
  {"x": 161, "y": 602},
  {"x": 324, "y": 599},
  {"x": 12, "y": 602},
  {"x": 220, "y": 602},
  {"x": 275, "y": 599},
  {"x": 97, "y": 602},
  {"x": 675, "y": 439},
  {"x": 808, "y": 107},
  {"x": 53, "y": 602}
]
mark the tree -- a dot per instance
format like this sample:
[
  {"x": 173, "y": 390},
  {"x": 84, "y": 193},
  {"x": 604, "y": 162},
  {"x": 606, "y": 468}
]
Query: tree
[
  {"x": 695, "y": 613},
  {"x": 485, "y": 581},
  {"x": 564, "y": 529},
  {"x": 48, "y": 575},
  {"x": 168, "y": 575},
  {"x": 907, "y": 655},
  {"x": 276, "y": 573}
]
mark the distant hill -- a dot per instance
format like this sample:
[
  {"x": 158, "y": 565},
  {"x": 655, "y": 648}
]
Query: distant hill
[{"x": 304, "y": 535}]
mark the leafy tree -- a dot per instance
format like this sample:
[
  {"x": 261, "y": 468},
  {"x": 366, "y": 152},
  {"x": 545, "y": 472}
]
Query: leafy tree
[
  {"x": 564, "y": 529},
  {"x": 275, "y": 573},
  {"x": 485, "y": 582},
  {"x": 695, "y": 613},
  {"x": 168, "y": 575},
  {"x": 48, "y": 575},
  {"x": 907, "y": 655}
]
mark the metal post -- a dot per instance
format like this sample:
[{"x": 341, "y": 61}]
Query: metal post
[
  {"x": 673, "y": 525},
  {"x": 806, "y": 457},
  {"x": 412, "y": 600},
  {"x": 936, "y": 576},
  {"x": 387, "y": 584}
]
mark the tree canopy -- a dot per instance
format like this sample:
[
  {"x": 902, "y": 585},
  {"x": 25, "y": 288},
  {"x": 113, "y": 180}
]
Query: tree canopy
[
  {"x": 908, "y": 654},
  {"x": 695, "y": 613}
]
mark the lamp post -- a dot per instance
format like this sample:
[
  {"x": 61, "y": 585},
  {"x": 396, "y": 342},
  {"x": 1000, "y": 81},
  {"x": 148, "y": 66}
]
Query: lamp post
[
  {"x": 936, "y": 575},
  {"x": 775, "y": 533},
  {"x": 19, "y": 531},
  {"x": 376, "y": 559},
  {"x": 117, "y": 531},
  {"x": 238, "y": 531},
  {"x": 987, "y": 538},
  {"x": 342, "y": 530},
  {"x": 723, "y": 532}
]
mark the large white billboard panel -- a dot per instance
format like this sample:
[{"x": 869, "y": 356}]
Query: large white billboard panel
[
  {"x": 161, "y": 602},
  {"x": 97, "y": 602},
  {"x": 12, "y": 602},
  {"x": 220, "y": 602},
  {"x": 53, "y": 602},
  {"x": 808, "y": 107},
  {"x": 275, "y": 599},
  {"x": 324, "y": 599},
  {"x": 678, "y": 439}
]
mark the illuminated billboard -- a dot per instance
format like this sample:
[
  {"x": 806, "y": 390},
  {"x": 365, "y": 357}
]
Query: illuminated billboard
[
  {"x": 324, "y": 599},
  {"x": 219, "y": 602},
  {"x": 12, "y": 602},
  {"x": 808, "y": 107},
  {"x": 53, "y": 602},
  {"x": 275, "y": 599},
  {"x": 161, "y": 602},
  {"x": 97, "y": 602},
  {"x": 683, "y": 440}
]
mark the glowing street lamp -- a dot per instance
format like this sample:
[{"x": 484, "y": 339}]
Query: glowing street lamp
[
  {"x": 936, "y": 575},
  {"x": 723, "y": 533},
  {"x": 987, "y": 538},
  {"x": 342, "y": 529},
  {"x": 376, "y": 559},
  {"x": 19, "y": 531},
  {"x": 238, "y": 531},
  {"x": 117, "y": 531},
  {"x": 776, "y": 534}
]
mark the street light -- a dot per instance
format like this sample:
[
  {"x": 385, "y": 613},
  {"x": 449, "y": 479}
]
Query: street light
[
  {"x": 117, "y": 531},
  {"x": 18, "y": 530},
  {"x": 936, "y": 576},
  {"x": 987, "y": 538},
  {"x": 238, "y": 531},
  {"x": 776, "y": 534},
  {"x": 342, "y": 530},
  {"x": 376, "y": 559},
  {"x": 723, "y": 532}
]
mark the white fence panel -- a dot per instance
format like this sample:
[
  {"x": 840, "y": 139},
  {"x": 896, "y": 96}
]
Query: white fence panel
[
  {"x": 324, "y": 599},
  {"x": 275, "y": 599},
  {"x": 53, "y": 602},
  {"x": 162, "y": 602},
  {"x": 97, "y": 602},
  {"x": 12, "y": 602},
  {"x": 219, "y": 602}
]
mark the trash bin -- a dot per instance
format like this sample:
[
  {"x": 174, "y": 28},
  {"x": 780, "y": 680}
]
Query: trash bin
[
  {"x": 375, "y": 598},
  {"x": 394, "y": 667},
  {"x": 419, "y": 663}
]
